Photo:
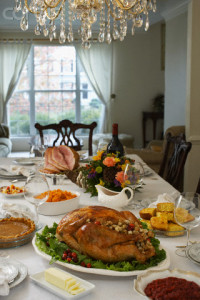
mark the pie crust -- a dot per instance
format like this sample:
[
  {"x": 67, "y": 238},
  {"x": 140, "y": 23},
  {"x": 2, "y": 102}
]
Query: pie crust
[{"x": 12, "y": 228}]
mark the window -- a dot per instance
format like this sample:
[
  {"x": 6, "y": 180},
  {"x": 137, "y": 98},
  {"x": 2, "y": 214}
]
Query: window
[{"x": 53, "y": 86}]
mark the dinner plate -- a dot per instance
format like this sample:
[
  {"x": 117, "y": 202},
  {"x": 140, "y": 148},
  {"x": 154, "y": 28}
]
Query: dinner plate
[
  {"x": 22, "y": 270},
  {"x": 9, "y": 270},
  {"x": 52, "y": 175},
  {"x": 24, "y": 161},
  {"x": 162, "y": 265},
  {"x": 39, "y": 279},
  {"x": 193, "y": 253}
]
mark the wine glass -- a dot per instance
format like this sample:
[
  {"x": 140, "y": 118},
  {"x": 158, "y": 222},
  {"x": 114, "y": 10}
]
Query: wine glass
[
  {"x": 102, "y": 145},
  {"x": 187, "y": 214},
  {"x": 133, "y": 178},
  {"x": 36, "y": 192},
  {"x": 133, "y": 175},
  {"x": 43, "y": 144}
]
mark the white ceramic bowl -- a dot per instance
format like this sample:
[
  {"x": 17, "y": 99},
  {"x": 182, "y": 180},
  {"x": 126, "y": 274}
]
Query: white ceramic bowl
[
  {"x": 59, "y": 208},
  {"x": 142, "y": 280}
]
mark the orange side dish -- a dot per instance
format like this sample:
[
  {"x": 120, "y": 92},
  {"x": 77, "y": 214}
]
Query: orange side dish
[{"x": 57, "y": 196}]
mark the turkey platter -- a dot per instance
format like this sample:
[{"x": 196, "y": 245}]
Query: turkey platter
[{"x": 106, "y": 234}]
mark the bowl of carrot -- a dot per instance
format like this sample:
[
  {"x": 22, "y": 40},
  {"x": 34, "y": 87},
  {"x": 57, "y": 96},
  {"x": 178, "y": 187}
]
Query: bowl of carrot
[{"x": 59, "y": 202}]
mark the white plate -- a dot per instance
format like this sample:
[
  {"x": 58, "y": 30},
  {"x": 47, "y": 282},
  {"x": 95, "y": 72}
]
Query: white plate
[
  {"x": 162, "y": 265},
  {"x": 53, "y": 175},
  {"x": 193, "y": 253},
  {"x": 8, "y": 269},
  {"x": 147, "y": 172},
  {"x": 142, "y": 280},
  {"x": 22, "y": 271},
  {"x": 24, "y": 161},
  {"x": 12, "y": 195},
  {"x": 40, "y": 279}
]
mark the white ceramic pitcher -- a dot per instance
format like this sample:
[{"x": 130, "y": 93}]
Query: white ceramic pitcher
[{"x": 113, "y": 199}]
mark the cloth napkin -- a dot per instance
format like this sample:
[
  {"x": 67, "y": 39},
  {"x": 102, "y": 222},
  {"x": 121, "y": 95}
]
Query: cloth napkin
[
  {"x": 15, "y": 170},
  {"x": 8, "y": 210},
  {"x": 164, "y": 198},
  {"x": 4, "y": 287}
]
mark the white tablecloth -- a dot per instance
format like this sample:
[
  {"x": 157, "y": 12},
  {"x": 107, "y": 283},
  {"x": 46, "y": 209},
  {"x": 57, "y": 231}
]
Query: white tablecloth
[{"x": 106, "y": 287}]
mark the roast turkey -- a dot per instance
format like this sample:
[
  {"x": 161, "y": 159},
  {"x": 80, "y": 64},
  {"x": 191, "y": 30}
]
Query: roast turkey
[
  {"x": 61, "y": 158},
  {"x": 106, "y": 234}
]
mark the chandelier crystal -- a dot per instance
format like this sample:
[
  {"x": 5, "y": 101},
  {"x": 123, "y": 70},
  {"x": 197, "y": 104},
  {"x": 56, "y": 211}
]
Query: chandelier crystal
[{"x": 109, "y": 13}]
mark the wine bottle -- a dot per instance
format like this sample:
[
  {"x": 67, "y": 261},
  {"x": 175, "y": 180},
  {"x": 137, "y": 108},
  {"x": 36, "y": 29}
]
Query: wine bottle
[{"x": 115, "y": 146}]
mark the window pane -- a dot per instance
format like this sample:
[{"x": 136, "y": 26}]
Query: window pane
[
  {"x": 91, "y": 108},
  {"x": 19, "y": 112},
  {"x": 55, "y": 68},
  {"x": 51, "y": 82},
  {"x": 54, "y": 107}
]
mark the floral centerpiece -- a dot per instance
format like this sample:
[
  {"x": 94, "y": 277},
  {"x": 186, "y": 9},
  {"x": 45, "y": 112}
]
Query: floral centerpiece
[{"x": 106, "y": 169}]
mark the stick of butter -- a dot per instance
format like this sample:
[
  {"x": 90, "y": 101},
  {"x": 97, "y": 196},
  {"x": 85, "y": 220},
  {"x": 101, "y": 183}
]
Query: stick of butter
[{"x": 62, "y": 280}]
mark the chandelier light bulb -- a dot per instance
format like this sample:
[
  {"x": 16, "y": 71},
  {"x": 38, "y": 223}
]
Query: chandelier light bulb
[{"x": 113, "y": 16}]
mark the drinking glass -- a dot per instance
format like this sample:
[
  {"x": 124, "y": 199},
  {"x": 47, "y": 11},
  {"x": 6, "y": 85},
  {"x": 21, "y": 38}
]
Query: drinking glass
[
  {"x": 36, "y": 192},
  {"x": 133, "y": 175},
  {"x": 43, "y": 144},
  {"x": 187, "y": 214},
  {"x": 102, "y": 145}
]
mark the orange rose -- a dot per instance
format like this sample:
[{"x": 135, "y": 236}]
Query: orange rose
[
  {"x": 109, "y": 162},
  {"x": 120, "y": 176}
]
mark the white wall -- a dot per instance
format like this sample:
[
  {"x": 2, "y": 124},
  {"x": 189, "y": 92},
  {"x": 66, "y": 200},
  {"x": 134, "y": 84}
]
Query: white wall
[
  {"x": 175, "y": 72},
  {"x": 137, "y": 79}
]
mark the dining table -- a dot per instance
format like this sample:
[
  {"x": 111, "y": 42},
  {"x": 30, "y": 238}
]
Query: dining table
[{"x": 106, "y": 287}]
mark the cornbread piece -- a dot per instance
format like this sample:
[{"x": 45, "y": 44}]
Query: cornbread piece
[
  {"x": 148, "y": 222},
  {"x": 159, "y": 223},
  {"x": 63, "y": 280},
  {"x": 165, "y": 207},
  {"x": 147, "y": 213},
  {"x": 169, "y": 215},
  {"x": 183, "y": 216},
  {"x": 174, "y": 230}
]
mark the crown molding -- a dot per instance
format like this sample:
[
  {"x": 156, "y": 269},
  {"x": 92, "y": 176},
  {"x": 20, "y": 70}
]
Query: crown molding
[{"x": 176, "y": 10}]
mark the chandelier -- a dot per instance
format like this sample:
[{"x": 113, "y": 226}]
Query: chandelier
[{"x": 113, "y": 18}]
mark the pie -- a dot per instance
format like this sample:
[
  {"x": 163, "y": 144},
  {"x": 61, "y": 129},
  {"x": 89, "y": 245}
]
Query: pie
[{"x": 11, "y": 228}]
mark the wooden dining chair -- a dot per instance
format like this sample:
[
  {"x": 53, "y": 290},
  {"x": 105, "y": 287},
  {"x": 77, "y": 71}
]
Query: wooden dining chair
[
  {"x": 198, "y": 187},
  {"x": 174, "y": 158},
  {"x": 70, "y": 137},
  {"x": 66, "y": 133},
  {"x": 53, "y": 128}
]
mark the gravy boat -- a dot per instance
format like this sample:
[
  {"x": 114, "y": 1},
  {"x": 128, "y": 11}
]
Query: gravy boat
[{"x": 113, "y": 199}]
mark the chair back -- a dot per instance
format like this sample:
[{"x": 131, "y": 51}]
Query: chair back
[
  {"x": 69, "y": 134},
  {"x": 198, "y": 187},
  {"x": 53, "y": 127},
  {"x": 66, "y": 133},
  {"x": 175, "y": 155}
]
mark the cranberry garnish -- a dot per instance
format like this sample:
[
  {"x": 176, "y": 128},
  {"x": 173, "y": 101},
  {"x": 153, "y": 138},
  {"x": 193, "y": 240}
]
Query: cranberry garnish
[
  {"x": 83, "y": 264},
  {"x": 89, "y": 265}
]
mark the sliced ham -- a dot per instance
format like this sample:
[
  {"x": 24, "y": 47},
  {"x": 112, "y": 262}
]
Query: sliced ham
[
  {"x": 70, "y": 155},
  {"x": 58, "y": 158},
  {"x": 48, "y": 162},
  {"x": 61, "y": 158}
]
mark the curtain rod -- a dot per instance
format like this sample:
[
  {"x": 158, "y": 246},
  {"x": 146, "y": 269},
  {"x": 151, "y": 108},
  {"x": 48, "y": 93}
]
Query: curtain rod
[{"x": 39, "y": 40}]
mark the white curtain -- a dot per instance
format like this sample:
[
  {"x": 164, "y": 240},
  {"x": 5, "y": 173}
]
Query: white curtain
[
  {"x": 97, "y": 63},
  {"x": 12, "y": 58}
]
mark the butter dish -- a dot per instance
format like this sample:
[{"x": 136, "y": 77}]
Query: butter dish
[{"x": 39, "y": 278}]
